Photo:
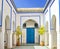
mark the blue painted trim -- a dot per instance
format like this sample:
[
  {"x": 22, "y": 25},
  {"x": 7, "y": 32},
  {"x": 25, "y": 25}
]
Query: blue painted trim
[
  {"x": 50, "y": 12},
  {"x": 59, "y": 12},
  {"x": 45, "y": 11},
  {"x": 47, "y": 5},
  {"x": 10, "y": 13},
  {"x": 45, "y": 17},
  {"x": 1, "y": 13},
  {"x": 52, "y": 3},
  {"x": 13, "y": 4}
]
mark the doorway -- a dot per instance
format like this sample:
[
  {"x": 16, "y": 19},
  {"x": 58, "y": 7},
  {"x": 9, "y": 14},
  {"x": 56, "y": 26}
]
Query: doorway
[{"x": 30, "y": 35}]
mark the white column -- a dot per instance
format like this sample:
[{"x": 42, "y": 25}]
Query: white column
[
  {"x": 50, "y": 41},
  {"x": 46, "y": 39},
  {"x": 1, "y": 39},
  {"x": 9, "y": 39},
  {"x": 14, "y": 39},
  {"x": 58, "y": 41},
  {"x": 42, "y": 37}
]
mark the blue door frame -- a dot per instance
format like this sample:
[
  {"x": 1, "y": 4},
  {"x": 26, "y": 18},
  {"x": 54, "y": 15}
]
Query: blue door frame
[{"x": 30, "y": 35}]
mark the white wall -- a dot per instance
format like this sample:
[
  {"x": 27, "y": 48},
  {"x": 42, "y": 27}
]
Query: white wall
[
  {"x": 30, "y": 15},
  {"x": 54, "y": 10},
  {"x": 5, "y": 13},
  {"x": 23, "y": 17}
]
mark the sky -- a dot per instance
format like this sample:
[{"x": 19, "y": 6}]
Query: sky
[{"x": 30, "y": 3}]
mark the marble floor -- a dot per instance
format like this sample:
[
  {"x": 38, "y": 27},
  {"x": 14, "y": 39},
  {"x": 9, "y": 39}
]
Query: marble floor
[{"x": 30, "y": 47}]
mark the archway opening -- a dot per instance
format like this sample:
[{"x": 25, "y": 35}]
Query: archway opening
[
  {"x": 53, "y": 32},
  {"x": 7, "y": 27},
  {"x": 30, "y": 32}
]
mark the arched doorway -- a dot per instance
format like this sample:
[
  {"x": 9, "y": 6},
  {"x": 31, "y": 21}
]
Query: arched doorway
[
  {"x": 30, "y": 34},
  {"x": 53, "y": 32},
  {"x": 7, "y": 27}
]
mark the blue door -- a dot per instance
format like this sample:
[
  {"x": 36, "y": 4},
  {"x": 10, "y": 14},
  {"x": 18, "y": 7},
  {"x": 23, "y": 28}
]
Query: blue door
[{"x": 30, "y": 35}]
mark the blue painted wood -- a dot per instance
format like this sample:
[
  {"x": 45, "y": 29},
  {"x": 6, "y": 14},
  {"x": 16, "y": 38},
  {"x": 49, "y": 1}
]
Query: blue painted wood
[{"x": 30, "y": 35}]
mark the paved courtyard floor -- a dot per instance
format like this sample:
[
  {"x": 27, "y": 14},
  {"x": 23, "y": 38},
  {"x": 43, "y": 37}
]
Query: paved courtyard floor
[{"x": 31, "y": 47}]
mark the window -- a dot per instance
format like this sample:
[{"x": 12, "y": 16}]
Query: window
[
  {"x": 24, "y": 25},
  {"x": 36, "y": 25}
]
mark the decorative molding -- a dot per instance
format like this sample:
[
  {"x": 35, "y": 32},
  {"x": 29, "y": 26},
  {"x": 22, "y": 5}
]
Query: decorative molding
[
  {"x": 46, "y": 11},
  {"x": 30, "y": 16},
  {"x": 30, "y": 10},
  {"x": 13, "y": 4}
]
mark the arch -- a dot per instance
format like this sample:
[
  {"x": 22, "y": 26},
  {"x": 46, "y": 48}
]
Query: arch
[
  {"x": 30, "y": 25},
  {"x": 53, "y": 22},
  {"x": 29, "y": 22},
  {"x": 7, "y": 27},
  {"x": 53, "y": 32},
  {"x": 7, "y": 22}
]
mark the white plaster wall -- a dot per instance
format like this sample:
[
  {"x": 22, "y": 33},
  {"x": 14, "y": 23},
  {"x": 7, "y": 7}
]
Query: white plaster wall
[
  {"x": 17, "y": 20},
  {"x": 27, "y": 15},
  {"x": 55, "y": 11},
  {"x": 37, "y": 36},
  {"x": 23, "y": 36},
  {"x": 13, "y": 15},
  {"x": 13, "y": 20},
  {"x": 28, "y": 25},
  {"x": 47, "y": 33},
  {"x": 5, "y": 13}
]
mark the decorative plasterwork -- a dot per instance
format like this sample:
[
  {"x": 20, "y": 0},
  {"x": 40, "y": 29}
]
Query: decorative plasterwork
[{"x": 30, "y": 9}]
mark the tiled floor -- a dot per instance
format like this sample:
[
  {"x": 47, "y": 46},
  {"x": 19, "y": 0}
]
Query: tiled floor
[{"x": 30, "y": 47}]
